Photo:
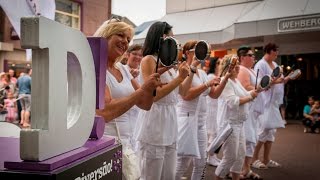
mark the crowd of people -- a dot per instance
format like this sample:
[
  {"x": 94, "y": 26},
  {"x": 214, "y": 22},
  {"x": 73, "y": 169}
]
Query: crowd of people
[
  {"x": 15, "y": 97},
  {"x": 170, "y": 116}
]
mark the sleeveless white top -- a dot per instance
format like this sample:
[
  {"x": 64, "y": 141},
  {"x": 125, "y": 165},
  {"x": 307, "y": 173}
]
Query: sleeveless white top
[
  {"x": 158, "y": 126},
  {"x": 191, "y": 106},
  {"x": 125, "y": 122}
]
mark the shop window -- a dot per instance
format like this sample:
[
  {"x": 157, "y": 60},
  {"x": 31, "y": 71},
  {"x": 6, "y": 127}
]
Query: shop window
[{"x": 68, "y": 13}]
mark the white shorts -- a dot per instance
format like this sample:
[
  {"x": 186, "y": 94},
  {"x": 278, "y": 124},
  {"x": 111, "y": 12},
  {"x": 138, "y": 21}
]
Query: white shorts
[{"x": 267, "y": 135}]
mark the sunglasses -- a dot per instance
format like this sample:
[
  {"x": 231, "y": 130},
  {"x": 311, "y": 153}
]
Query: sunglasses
[
  {"x": 114, "y": 19},
  {"x": 250, "y": 55}
]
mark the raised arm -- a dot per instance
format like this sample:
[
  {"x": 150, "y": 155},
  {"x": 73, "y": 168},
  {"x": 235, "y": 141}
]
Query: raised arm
[
  {"x": 148, "y": 66},
  {"x": 217, "y": 90}
]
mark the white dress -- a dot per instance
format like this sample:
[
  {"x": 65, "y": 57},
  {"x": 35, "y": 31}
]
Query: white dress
[
  {"x": 255, "y": 110},
  {"x": 272, "y": 98},
  {"x": 158, "y": 126},
  {"x": 192, "y": 117},
  {"x": 125, "y": 122}
]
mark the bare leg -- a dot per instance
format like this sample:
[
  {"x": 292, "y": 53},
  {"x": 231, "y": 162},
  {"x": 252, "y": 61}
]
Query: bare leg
[
  {"x": 22, "y": 117},
  {"x": 246, "y": 165},
  {"x": 257, "y": 151},
  {"x": 267, "y": 150},
  {"x": 235, "y": 176},
  {"x": 26, "y": 122},
  {"x": 217, "y": 177}
]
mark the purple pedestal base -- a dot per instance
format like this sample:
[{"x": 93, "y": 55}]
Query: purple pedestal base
[{"x": 103, "y": 160}]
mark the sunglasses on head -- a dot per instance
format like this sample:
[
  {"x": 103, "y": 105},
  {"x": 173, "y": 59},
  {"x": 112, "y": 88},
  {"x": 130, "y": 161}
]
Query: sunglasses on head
[{"x": 114, "y": 19}]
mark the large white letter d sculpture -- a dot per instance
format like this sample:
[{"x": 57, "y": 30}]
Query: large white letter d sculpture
[{"x": 63, "y": 89}]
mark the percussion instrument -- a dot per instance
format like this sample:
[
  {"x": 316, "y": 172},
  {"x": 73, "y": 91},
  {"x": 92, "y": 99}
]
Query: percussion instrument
[
  {"x": 295, "y": 74},
  {"x": 276, "y": 73},
  {"x": 230, "y": 65},
  {"x": 202, "y": 50},
  {"x": 265, "y": 82},
  {"x": 168, "y": 52}
]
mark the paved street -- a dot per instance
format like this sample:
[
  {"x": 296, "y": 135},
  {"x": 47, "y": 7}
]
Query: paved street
[{"x": 297, "y": 152}]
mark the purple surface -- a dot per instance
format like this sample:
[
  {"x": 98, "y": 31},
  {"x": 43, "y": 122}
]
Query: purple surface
[
  {"x": 10, "y": 158},
  {"x": 98, "y": 128},
  {"x": 99, "y": 51}
]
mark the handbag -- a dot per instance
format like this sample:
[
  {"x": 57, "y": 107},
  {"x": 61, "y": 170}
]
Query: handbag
[
  {"x": 130, "y": 161},
  {"x": 221, "y": 138}
]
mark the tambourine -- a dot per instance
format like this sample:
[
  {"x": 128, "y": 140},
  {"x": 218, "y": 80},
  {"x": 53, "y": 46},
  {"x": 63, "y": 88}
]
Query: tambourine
[
  {"x": 265, "y": 82},
  {"x": 169, "y": 51},
  {"x": 276, "y": 73},
  {"x": 295, "y": 74},
  {"x": 231, "y": 64},
  {"x": 202, "y": 50}
]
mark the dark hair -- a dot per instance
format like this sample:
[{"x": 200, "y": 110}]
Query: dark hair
[
  {"x": 213, "y": 65},
  {"x": 134, "y": 47},
  {"x": 242, "y": 51},
  {"x": 27, "y": 70},
  {"x": 156, "y": 30},
  {"x": 270, "y": 47},
  {"x": 311, "y": 97}
]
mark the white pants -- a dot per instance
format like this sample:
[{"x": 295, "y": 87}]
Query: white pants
[
  {"x": 158, "y": 162},
  {"x": 267, "y": 135},
  {"x": 198, "y": 162},
  {"x": 198, "y": 167},
  {"x": 234, "y": 150},
  {"x": 250, "y": 146}
]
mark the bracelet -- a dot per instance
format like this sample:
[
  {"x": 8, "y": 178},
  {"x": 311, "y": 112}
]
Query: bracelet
[{"x": 193, "y": 69}]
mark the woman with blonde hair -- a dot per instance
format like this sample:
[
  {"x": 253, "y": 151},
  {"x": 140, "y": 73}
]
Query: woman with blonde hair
[
  {"x": 120, "y": 94},
  {"x": 233, "y": 111}
]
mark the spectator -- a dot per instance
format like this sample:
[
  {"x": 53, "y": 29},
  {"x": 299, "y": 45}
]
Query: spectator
[
  {"x": 24, "y": 85},
  {"x": 311, "y": 115},
  {"x": 12, "y": 76}
]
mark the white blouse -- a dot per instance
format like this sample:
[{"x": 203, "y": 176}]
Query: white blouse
[
  {"x": 229, "y": 108},
  {"x": 125, "y": 122}
]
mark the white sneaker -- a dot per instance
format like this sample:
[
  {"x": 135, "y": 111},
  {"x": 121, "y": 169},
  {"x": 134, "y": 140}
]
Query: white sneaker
[{"x": 213, "y": 160}]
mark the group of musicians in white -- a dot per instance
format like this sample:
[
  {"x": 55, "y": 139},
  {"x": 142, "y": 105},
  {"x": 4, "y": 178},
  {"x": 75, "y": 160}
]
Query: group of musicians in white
[{"x": 190, "y": 107}]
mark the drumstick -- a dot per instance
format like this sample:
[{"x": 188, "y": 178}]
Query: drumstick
[
  {"x": 159, "y": 51},
  {"x": 255, "y": 87},
  {"x": 290, "y": 70}
]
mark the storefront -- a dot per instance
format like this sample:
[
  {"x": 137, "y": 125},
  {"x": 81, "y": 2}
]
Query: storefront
[{"x": 294, "y": 25}]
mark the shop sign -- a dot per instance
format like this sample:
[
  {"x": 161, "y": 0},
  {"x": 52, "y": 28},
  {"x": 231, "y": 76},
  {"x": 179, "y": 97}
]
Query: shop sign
[{"x": 299, "y": 23}]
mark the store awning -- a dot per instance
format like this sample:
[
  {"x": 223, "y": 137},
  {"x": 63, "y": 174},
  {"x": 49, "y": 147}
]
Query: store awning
[{"x": 221, "y": 24}]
